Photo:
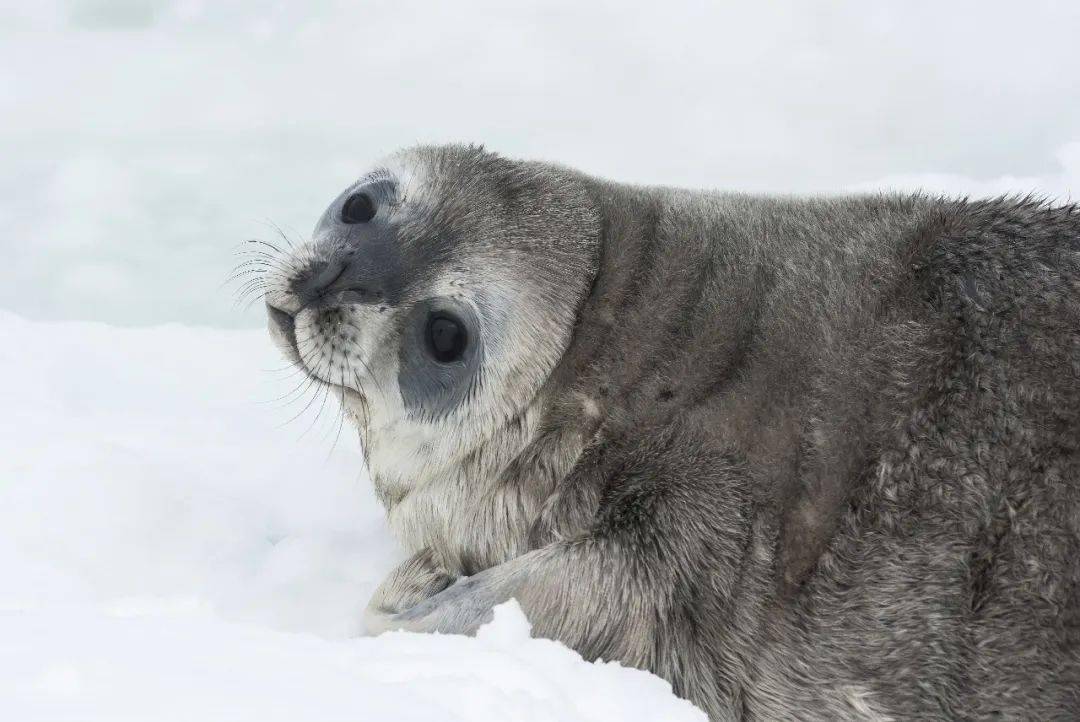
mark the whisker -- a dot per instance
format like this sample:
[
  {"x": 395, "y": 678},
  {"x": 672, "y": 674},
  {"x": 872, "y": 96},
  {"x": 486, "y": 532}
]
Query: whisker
[
  {"x": 271, "y": 246},
  {"x": 242, "y": 273},
  {"x": 341, "y": 415},
  {"x": 316, "y": 381},
  {"x": 298, "y": 390},
  {"x": 281, "y": 233},
  {"x": 318, "y": 414}
]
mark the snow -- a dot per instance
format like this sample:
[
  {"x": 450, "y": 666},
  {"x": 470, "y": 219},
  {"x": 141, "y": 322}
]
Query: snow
[{"x": 174, "y": 548}]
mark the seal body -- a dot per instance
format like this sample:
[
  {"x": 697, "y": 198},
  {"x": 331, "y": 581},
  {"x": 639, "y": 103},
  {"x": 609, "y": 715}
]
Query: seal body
[{"x": 804, "y": 458}]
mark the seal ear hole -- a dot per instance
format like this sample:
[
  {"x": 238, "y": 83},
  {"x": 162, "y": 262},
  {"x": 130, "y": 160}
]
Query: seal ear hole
[
  {"x": 358, "y": 208},
  {"x": 446, "y": 338}
]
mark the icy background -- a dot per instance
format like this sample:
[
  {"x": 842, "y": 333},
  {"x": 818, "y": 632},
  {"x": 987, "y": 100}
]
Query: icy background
[{"x": 172, "y": 545}]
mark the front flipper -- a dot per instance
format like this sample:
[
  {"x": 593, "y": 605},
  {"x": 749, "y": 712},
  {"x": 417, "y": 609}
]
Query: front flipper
[
  {"x": 465, "y": 605},
  {"x": 417, "y": 578},
  {"x": 669, "y": 544}
]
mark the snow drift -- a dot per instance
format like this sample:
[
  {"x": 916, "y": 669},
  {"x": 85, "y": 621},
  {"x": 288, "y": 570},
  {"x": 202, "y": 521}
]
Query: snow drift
[{"x": 172, "y": 549}]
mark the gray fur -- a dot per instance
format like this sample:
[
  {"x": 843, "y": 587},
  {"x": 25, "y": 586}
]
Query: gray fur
[{"x": 804, "y": 458}]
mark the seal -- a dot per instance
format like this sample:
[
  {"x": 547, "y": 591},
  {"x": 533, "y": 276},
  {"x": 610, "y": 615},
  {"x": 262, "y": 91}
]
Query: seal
[{"x": 804, "y": 458}]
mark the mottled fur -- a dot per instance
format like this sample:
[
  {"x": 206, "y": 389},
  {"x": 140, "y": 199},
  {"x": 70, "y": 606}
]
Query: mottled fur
[{"x": 806, "y": 459}]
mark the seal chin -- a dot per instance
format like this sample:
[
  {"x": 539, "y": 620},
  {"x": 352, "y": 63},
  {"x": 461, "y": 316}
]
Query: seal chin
[{"x": 328, "y": 337}]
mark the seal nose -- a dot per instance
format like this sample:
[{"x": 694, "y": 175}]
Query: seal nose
[
  {"x": 357, "y": 260},
  {"x": 343, "y": 280},
  {"x": 319, "y": 280}
]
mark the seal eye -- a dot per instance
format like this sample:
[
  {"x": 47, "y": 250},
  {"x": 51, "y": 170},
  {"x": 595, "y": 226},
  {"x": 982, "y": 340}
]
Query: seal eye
[
  {"x": 358, "y": 208},
  {"x": 445, "y": 338}
]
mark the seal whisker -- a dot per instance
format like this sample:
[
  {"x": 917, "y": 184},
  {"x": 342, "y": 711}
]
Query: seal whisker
[
  {"x": 263, "y": 263},
  {"x": 284, "y": 266},
  {"x": 251, "y": 249},
  {"x": 341, "y": 413},
  {"x": 284, "y": 237},
  {"x": 297, "y": 392},
  {"x": 325, "y": 388},
  {"x": 315, "y": 381},
  {"x": 251, "y": 291},
  {"x": 261, "y": 277},
  {"x": 240, "y": 274},
  {"x": 365, "y": 430},
  {"x": 256, "y": 286},
  {"x": 280, "y": 265},
  {"x": 259, "y": 241}
]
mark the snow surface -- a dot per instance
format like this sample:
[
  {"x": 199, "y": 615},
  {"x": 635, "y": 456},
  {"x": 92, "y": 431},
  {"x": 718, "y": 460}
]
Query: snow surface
[{"x": 171, "y": 549}]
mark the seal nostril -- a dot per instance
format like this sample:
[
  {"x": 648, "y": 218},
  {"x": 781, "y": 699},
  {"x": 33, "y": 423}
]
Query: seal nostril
[
  {"x": 326, "y": 277},
  {"x": 318, "y": 281}
]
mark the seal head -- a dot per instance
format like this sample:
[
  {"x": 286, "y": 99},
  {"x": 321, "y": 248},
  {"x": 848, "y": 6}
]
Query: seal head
[{"x": 435, "y": 297}]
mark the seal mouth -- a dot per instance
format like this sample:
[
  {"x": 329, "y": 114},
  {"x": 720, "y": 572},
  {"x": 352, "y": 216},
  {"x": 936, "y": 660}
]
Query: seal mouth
[
  {"x": 284, "y": 320},
  {"x": 283, "y": 329}
]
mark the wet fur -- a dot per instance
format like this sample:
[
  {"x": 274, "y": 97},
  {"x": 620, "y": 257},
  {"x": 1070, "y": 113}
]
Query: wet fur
[{"x": 806, "y": 459}]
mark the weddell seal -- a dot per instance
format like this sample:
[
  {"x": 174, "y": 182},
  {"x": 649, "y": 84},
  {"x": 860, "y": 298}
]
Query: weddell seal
[{"x": 803, "y": 458}]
